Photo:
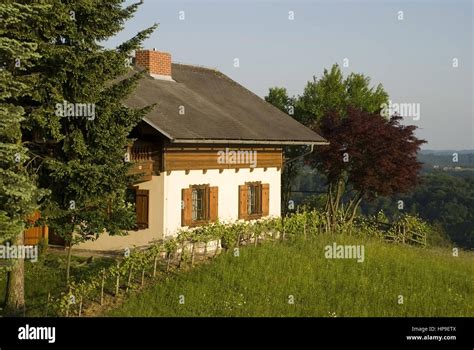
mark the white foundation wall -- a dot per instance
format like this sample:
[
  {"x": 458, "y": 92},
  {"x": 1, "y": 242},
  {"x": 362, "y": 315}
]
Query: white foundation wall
[
  {"x": 228, "y": 182},
  {"x": 140, "y": 237}
]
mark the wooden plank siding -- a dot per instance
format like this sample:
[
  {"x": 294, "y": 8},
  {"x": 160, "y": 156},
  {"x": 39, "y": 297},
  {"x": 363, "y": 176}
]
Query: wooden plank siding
[{"x": 206, "y": 157}]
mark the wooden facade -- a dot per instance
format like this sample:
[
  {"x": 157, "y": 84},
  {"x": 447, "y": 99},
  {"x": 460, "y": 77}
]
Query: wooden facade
[
  {"x": 150, "y": 158},
  {"x": 200, "y": 157}
]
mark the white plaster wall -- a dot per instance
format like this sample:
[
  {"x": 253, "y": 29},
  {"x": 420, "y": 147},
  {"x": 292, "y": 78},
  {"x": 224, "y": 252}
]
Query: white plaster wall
[
  {"x": 165, "y": 203},
  {"x": 140, "y": 237},
  {"x": 228, "y": 182}
]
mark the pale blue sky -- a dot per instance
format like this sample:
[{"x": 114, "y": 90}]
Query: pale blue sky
[{"x": 411, "y": 58}]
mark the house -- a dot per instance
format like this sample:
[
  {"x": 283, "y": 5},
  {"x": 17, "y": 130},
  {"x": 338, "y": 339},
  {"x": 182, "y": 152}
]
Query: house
[{"x": 211, "y": 150}]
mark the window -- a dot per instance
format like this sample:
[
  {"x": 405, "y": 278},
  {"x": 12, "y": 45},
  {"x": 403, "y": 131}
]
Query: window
[
  {"x": 200, "y": 201},
  {"x": 253, "y": 200},
  {"x": 199, "y": 205}
]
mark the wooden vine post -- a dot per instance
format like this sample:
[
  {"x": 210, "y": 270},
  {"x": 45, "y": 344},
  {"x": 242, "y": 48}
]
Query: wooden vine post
[
  {"x": 238, "y": 239},
  {"x": 117, "y": 281},
  {"x": 192, "y": 253},
  {"x": 169, "y": 255},
  {"x": 217, "y": 248},
  {"x": 181, "y": 258},
  {"x": 102, "y": 285},
  {"x": 129, "y": 280},
  {"x": 68, "y": 304},
  {"x": 80, "y": 306},
  {"x": 304, "y": 227},
  {"x": 47, "y": 304},
  {"x": 155, "y": 263}
]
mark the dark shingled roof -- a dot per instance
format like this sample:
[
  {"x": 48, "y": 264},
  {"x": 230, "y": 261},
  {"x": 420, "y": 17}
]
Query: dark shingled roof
[{"x": 216, "y": 109}]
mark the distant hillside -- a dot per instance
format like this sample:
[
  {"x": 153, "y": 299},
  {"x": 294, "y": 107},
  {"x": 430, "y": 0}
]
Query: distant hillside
[
  {"x": 446, "y": 151},
  {"x": 446, "y": 158}
]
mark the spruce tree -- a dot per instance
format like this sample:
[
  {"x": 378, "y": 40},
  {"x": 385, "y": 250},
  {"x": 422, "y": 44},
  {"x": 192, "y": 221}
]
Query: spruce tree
[
  {"x": 77, "y": 122},
  {"x": 18, "y": 193}
]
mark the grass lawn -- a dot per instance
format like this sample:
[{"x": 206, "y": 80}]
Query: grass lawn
[
  {"x": 263, "y": 281},
  {"x": 48, "y": 275}
]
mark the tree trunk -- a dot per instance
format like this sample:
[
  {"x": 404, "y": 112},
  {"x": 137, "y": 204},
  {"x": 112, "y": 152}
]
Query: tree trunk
[
  {"x": 15, "y": 293},
  {"x": 334, "y": 203},
  {"x": 68, "y": 264},
  {"x": 354, "y": 209},
  {"x": 332, "y": 208}
]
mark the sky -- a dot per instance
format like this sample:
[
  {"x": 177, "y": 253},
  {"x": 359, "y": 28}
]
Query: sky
[{"x": 411, "y": 54}]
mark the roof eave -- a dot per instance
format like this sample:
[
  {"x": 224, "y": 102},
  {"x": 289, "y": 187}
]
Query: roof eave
[
  {"x": 153, "y": 125},
  {"x": 237, "y": 141}
]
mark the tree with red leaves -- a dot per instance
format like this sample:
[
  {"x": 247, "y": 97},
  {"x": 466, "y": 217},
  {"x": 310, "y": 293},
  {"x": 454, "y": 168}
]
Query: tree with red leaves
[{"x": 368, "y": 156}]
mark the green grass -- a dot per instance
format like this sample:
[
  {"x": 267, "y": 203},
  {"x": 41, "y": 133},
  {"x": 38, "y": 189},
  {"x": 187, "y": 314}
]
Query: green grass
[
  {"x": 48, "y": 275},
  {"x": 260, "y": 281}
]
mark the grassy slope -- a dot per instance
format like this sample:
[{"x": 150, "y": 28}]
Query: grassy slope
[
  {"x": 260, "y": 280},
  {"x": 48, "y": 275}
]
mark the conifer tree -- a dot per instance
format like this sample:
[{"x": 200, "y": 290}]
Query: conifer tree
[
  {"x": 77, "y": 122},
  {"x": 18, "y": 193}
]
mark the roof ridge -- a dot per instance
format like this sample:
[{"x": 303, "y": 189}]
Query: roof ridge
[
  {"x": 233, "y": 82},
  {"x": 191, "y": 65},
  {"x": 222, "y": 75}
]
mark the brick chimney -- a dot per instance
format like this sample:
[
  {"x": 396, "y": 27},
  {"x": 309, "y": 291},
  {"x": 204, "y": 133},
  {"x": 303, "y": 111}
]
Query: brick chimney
[{"x": 158, "y": 63}]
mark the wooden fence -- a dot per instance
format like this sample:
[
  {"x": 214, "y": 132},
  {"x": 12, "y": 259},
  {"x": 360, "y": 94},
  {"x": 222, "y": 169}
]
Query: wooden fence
[{"x": 34, "y": 235}]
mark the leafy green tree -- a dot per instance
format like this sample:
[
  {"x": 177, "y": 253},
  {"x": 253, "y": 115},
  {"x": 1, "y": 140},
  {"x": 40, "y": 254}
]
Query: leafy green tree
[
  {"x": 77, "y": 123},
  {"x": 333, "y": 94},
  {"x": 292, "y": 165},
  {"x": 18, "y": 193}
]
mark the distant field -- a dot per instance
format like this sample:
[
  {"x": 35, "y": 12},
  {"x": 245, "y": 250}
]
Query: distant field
[{"x": 263, "y": 281}]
